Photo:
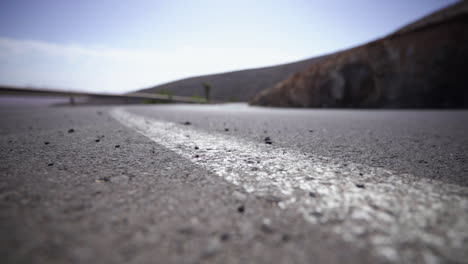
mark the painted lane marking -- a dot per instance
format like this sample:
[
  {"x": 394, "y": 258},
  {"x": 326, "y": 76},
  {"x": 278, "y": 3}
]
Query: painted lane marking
[{"x": 401, "y": 217}]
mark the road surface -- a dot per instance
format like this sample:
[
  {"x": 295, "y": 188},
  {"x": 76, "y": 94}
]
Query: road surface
[{"x": 232, "y": 184}]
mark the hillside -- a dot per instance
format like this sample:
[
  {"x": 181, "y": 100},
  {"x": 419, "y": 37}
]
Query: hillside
[
  {"x": 234, "y": 86},
  {"x": 422, "y": 65}
]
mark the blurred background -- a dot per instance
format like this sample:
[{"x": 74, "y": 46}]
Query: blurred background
[
  {"x": 121, "y": 46},
  {"x": 117, "y": 47}
]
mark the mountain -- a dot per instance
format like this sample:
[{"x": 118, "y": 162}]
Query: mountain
[
  {"x": 422, "y": 65},
  {"x": 233, "y": 86}
]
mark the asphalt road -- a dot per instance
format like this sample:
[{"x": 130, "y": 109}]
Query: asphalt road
[{"x": 232, "y": 184}]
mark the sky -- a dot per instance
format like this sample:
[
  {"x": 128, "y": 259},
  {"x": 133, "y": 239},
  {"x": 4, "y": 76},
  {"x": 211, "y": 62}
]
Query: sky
[{"x": 117, "y": 46}]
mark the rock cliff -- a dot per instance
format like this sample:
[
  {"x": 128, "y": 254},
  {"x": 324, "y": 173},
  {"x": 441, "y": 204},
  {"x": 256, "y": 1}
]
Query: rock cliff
[{"x": 423, "y": 65}]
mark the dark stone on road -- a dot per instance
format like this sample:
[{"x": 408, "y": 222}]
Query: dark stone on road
[
  {"x": 46, "y": 143},
  {"x": 313, "y": 195},
  {"x": 117, "y": 146},
  {"x": 226, "y": 129},
  {"x": 50, "y": 164},
  {"x": 187, "y": 123},
  {"x": 71, "y": 130},
  {"x": 268, "y": 140},
  {"x": 241, "y": 209},
  {"x": 359, "y": 185},
  {"x": 316, "y": 214},
  {"x": 104, "y": 179},
  {"x": 196, "y": 147},
  {"x": 225, "y": 237}
]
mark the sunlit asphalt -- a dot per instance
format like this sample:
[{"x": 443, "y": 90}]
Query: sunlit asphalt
[{"x": 232, "y": 184}]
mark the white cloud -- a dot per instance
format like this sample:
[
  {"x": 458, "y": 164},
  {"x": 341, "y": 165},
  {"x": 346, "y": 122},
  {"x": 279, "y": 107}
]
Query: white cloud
[{"x": 102, "y": 69}]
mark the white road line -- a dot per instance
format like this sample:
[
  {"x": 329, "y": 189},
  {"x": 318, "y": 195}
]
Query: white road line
[{"x": 399, "y": 216}]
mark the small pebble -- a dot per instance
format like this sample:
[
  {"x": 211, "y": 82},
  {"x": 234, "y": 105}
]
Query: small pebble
[
  {"x": 117, "y": 146},
  {"x": 241, "y": 209},
  {"x": 268, "y": 140},
  {"x": 97, "y": 140},
  {"x": 71, "y": 130},
  {"x": 196, "y": 147},
  {"x": 359, "y": 185},
  {"x": 313, "y": 195},
  {"x": 50, "y": 164},
  {"x": 46, "y": 143},
  {"x": 105, "y": 179},
  {"x": 187, "y": 123},
  {"x": 226, "y": 129},
  {"x": 225, "y": 237},
  {"x": 316, "y": 214}
]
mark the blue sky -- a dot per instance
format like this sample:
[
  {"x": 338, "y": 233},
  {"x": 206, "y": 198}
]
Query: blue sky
[{"x": 119, "y": 46}]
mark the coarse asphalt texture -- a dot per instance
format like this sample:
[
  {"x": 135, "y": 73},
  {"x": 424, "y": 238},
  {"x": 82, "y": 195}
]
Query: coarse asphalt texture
[{"x": 77, "y": 186}]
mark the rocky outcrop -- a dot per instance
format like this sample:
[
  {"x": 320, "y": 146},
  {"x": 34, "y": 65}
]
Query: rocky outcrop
[{"x": 423, "y": 65}]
